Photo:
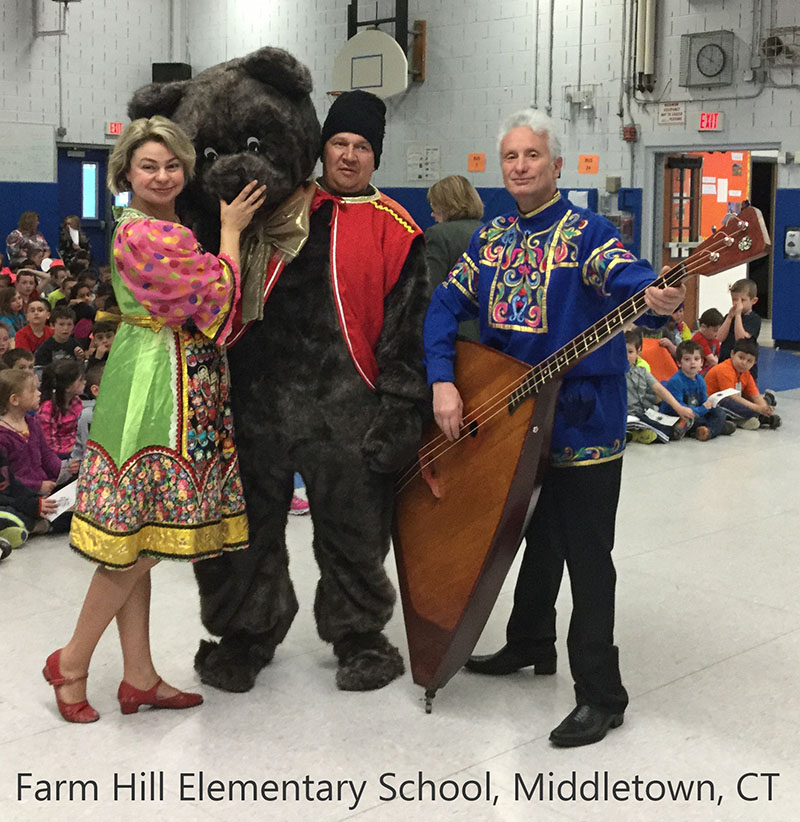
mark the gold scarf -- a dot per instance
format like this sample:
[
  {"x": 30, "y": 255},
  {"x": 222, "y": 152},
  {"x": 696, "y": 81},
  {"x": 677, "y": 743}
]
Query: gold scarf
[{"x": 284, "y": 231}]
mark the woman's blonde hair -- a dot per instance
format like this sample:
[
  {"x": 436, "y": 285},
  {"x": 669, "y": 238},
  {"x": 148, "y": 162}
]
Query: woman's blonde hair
[
  {"x": 138, "y": 132},
  {"x": 13, "y": 381},
  {"x": 28, "y": 221},
  {"x": 455, "y": 199}
]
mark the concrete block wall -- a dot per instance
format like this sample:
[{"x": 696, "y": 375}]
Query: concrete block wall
[
  {"x": 106, "y": 53},
  {"x": 484, "y": 60}
]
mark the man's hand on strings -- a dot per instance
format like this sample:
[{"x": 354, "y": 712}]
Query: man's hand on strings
[
  {"x": 664, "y": 300},
  {"x": 448, "y": 409}
]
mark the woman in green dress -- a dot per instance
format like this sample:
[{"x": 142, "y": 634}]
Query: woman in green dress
[{"x": 160, "y": 477}]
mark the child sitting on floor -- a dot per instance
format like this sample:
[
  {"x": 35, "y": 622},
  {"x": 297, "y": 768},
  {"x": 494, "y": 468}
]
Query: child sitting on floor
[
  {"x": 33, "y": 462},
  {"x": 94, "y": 373},
  {"x": 675, "y": 332},
  {"x": 640, "y": 384},
  {"x": 11, "y": 313},
  {"x": 750, "y": 410},
  {"x": 689, "y": 389},
  {"x": 62, "y": 386},
  {"x": 22, "y": 507},
  {"x": 37, "y": 330},
  {"x": 62, "y": 345},
  {"x": 103, "y": 334},
  {"x": 19, "y": 358},
  {"x": 5, "y": 340},
  {"x": 709, "y": 322},
  {"x": 742, "y": 322}
]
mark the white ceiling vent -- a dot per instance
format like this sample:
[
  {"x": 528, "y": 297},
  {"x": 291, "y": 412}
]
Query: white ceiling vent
[{"x": 706, "y": 59}]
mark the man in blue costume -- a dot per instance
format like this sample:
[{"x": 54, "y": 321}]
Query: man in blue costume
[{"x": 536, "y": 278}]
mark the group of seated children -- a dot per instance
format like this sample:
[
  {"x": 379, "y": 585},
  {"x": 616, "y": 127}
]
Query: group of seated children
[
  {"x": 713, "y": 390},
  {"x": 43, "y": 433}
]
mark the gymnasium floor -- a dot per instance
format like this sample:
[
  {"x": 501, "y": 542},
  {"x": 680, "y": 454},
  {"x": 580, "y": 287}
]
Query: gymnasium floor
[{"x": 708, "y": 625}]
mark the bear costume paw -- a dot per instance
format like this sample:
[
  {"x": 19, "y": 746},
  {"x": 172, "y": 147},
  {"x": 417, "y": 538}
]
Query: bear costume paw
[
  {"x": 366, "y": 662},
  {"x": 233, "y": 663},
  {"x": 394, "y": 436}
]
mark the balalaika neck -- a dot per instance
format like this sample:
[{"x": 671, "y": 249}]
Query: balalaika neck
[{"x": 596, "y": 335}]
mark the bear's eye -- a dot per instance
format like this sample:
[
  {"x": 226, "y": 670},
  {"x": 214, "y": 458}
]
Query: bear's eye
[
  {"x": 253, "y": 144},
  {"x": 210, "y": 154}
]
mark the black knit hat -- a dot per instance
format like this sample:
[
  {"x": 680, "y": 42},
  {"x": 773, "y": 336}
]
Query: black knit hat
[{"x": 357, "y": 112}]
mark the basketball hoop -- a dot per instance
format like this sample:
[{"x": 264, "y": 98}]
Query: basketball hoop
[{"x": 372, "y": 61}]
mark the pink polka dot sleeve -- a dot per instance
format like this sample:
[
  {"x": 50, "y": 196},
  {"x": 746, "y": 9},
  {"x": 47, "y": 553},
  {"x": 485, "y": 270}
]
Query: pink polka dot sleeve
[{"x": 174, "y": 279}]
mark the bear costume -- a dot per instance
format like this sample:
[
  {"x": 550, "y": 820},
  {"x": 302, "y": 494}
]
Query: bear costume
[{"x": 326, "y": 374}]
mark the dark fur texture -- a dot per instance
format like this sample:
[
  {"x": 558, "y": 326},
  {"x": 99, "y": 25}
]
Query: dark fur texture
[
  {"x": 255, "y": 114},
  {"x": 299, "y": 403}
]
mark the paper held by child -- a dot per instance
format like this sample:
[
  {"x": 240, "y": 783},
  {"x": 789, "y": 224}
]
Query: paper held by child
[
  {"x": 642, "y": 423},
  {"x": 717, "y": 397},
  {"x": 64, "y": 499}
]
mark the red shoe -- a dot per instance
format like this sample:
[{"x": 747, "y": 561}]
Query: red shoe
[
  {"x": 299, "y": 506},
  {"x": 71, "y": 711},
  {"x": 131, "y": 699}
]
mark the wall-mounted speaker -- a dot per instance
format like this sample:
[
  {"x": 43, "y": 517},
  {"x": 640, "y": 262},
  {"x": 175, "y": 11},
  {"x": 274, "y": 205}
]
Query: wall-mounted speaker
[{"x": 168, "y": 72}]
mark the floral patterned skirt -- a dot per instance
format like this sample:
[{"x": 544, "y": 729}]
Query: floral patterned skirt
[{"x": 160, "y": 477}]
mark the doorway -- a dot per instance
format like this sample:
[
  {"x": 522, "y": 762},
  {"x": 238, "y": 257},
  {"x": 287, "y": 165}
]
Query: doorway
[
  {"x": 700, "y": 188},
  {"x": 82, "y": 191},
  {"x": 681, "y": 230}
]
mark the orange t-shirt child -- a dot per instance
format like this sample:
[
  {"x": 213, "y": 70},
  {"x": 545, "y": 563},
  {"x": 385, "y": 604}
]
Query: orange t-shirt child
[{"x": 724, "y": 375}]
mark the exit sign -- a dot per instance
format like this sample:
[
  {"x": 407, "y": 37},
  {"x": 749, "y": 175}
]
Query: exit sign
[
  {"x": 711, "y": 121},
  {"x": 114, "y": 128}
]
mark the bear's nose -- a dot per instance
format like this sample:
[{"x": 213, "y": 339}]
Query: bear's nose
[{"x": 231, "y": 173}]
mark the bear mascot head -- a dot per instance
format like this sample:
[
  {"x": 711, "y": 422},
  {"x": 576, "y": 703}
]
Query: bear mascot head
[{"x": 250, "y": 118}]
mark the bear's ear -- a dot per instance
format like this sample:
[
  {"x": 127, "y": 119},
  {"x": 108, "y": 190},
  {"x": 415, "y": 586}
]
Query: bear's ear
[
  {"x": 157, "y": 98},
  {"x": 279, "y": 69}
]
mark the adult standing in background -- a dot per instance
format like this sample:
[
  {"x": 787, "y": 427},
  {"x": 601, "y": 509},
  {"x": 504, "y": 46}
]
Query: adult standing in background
[
  {"x": 71, "y": 240},
  {"x": 26, "y": 241},
  {"x": 538, "y": 277},
  {"x": 457, "y": 209}
]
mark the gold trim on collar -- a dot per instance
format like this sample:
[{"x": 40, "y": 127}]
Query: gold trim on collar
[
  {"x": 541, "y": 208},
  {"x": 363, "y": 198}
]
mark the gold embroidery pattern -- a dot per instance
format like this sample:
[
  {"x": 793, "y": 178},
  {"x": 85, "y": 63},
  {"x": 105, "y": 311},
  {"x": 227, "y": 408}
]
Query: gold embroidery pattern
[
  {"x": 597, "y": 268},
  {"x": 407, "y": 226},
  {"x": 523, "y": 262}
]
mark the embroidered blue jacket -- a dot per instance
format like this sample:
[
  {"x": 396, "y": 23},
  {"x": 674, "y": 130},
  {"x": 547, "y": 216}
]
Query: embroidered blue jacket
[{"x": 536, "y": 281}]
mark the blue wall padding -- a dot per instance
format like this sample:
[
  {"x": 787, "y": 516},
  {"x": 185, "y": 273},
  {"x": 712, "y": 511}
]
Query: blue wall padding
[
  {"x": 39, "y": 197},
  {"x": 785, "y": 270},
  {"x": 496, "y": 201}
]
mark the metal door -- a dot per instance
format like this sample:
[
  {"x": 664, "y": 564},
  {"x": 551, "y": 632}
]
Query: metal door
[
  {"x": 82, "y": 191},
  {"x": 681, "y": 233}
]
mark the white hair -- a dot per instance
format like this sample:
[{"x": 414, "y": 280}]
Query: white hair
[{"x": 538, "y": 122}]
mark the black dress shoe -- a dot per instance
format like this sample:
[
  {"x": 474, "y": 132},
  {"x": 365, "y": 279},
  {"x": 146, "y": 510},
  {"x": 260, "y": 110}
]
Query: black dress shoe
[
  {"x": 508, "y": 660},
  {"x": 584, "y": 726}
]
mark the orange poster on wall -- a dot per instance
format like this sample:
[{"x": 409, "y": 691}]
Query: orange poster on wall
[
  {"x": 588, "y": 163},
  {"x": 476, "y": 161},
  {"x": 725, "y": 183}
]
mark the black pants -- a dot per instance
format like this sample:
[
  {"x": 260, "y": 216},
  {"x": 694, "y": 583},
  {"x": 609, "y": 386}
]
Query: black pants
[{"x": 574, "y": 523}]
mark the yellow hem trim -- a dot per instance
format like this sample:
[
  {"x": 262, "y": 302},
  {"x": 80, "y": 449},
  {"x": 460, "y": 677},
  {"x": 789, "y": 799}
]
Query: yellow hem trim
[
  {"x": 158, "y": 540},
  {"x": 582, "y": 463}
]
